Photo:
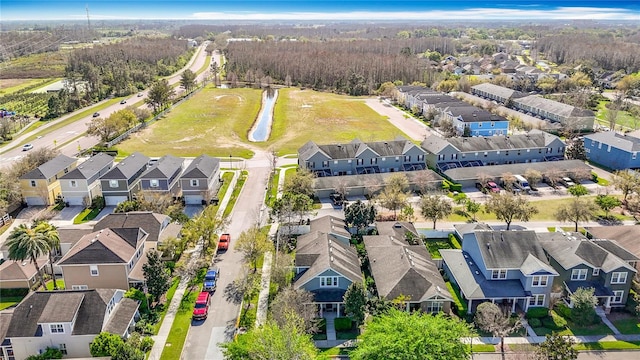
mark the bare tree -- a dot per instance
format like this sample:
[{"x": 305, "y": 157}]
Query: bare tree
[
  {"x": 299, "y": 302},
  {"x": 490, "y": 318}
]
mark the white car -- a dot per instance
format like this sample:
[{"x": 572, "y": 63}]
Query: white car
[{"x": 27, "y": 147}]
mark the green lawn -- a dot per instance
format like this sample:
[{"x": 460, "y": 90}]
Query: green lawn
[
  {"x": 180, "y": 327},
  {"x": 165, "y": 306},
  {"x": 325, "y": 352},
  {"x": 235, "y": 193},
  {"x": 484, "y": 348},
  {"x": 10, "y": 86},
  {"x": 59, "y": 282},
  {"x": 8, "y": 301},
  {"x": 624, "y": 118},
  {"x": 86, "y": 215},
  {"x": 272, "y": 191},
  {"x": 214, "y": 122},
  {"x": 609, "y": 345},
  {"x": 433, "y": 245},
  {"x": 628, "y": 326},
  {"x": 572, "y": 329}
]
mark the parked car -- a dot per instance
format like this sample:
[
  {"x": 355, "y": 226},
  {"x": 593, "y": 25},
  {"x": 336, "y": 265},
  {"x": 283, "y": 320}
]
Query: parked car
[
  {"x": 337, "y": 199},
  {"x": 201, "y": 309},
  {"x": 139, "y": 94},
  {"x": 210, "y": 279},
  {"x": 223, "y": 243},
  {"x": 96, "y": 114},
  {"x": 123, "y": 102},
  {"x": 490, "y": 187},
  {"x": 567, "y": 182},
  {"x": 27, "y": 147}
]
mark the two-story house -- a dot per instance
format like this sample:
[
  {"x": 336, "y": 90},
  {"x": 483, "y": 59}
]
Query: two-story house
[
  {"x": 568, "y": 115},
  {"x": 108, "y": 258},
  {"x": 158, "y": 226},
  {"x": 163, "y": 176},
  {"x": 41, "y": 186},
  {"x": 623, "y": 236},
  {"x": 583, "y": 263},
  {"x": 200, "y": 181},
  {"x": 469, "y": 120},
  {"x": 497, "y": 93},
  {"x": 402, "y": 268},
  {"x": 358, "y": 157},
  {"x": 122, "y": 181},
  {"x": 67, "y": 320},
  {"x": 326, "y": 265},
  {"x": 615, "y": 151},
  {"x": 536, "y": 146},
  {"x": 508, "y": 268},
  {"x": 82, "y": 184}
]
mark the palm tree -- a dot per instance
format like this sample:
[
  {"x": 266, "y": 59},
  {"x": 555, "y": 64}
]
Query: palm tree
[
  {"x": 25, "y": 243},
  {"x": 50, "y": 233}
]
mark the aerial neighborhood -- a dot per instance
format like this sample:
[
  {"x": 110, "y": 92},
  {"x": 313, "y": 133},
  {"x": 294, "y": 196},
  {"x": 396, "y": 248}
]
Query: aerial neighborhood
[{"x": 197, "y": 190}]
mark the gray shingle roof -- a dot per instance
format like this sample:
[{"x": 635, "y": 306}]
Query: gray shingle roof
[
  {"x": 358, "y": 181},
  {"x": 498, "y": 90},
  {"x": 61, "y": 307},
  {"x": 151, "y": 223},
  {"x": 108, "y": 246},
  {"x": 509, "y": 249},
  {"x": 397, "y": 229},
  {"x": 330, "y": 225},
  {"x": 128, "y": 167},
  {"x": 434, "y": 144},
  {"x": 626, "y": 236},
  {"x": 553, "y": 107},
  {"x": 201, "y": 167},
  {"x": 50, "y": 168},
  {"x": 90, "y": 167},
  {"x": 164, "y": 168},
  {"x": 496, "y": 171},
  {"x": 613, "y": 247},
  {"x": 467, "y": 228},
  {"x": 355, "y": 148},
  {"x": 535, "y": 139},
  {"x": 623, "y": 142},
  {"x": 119, "y": 321}
]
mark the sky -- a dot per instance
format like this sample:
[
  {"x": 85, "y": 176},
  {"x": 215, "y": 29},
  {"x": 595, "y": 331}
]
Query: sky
[{"x": 297, "y": 10}]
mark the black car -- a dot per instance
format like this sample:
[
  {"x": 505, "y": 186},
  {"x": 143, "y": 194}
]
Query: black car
[{"x": 96, "y": 114}]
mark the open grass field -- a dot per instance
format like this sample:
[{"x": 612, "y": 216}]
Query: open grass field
[
  {"x": 623, "y": 119},
  {"x": 43, "y": 65},
  {"x": 217, "y": 122},
  {"x": 10, "y": 86}
]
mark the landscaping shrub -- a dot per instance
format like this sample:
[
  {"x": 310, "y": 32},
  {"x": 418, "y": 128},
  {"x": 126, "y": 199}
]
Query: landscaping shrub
[
  {"x": 322, "y": 325},
  {"x": 146, "y": 343},
  {"x": 537, "y": 313},
  {"x": 454, "y": 242},
  {"x": 535, "y": 322},
  {"x": 554, "y": 322},
  {"x": 343, "y": 323},
  {"x": 97, "y": 202},
  {"x": 171, "y": 265},
  {"x": 563, "y": 310},
  {"x": 14, "y": 292}
]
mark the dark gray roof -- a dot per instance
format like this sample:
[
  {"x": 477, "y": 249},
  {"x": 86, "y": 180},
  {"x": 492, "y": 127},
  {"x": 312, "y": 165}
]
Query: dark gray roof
[
  {"x": 151, "y": 223},
  {"x": 41, "y": 306},
  {"x": 623, "y": 142},
  {"x": 90, "y": 167},
  {"x": 470, "y": 113},
  {"x": 613, "y": 247},
  {"x": 119, "y": 321},
  {"x": 467, "y": 228},
  {"x": 496, "y": 171},
  {"x": 358, "y": 181},
  {"x": 397, "y": 229},
  {"x": 5, "y": 320},
  {"x": 50, "y": 168},
  {"x": 164, "y": 168},
  {"x": 498, "y": 90},
  {"x": 73, "y": 235},
  {"x": 553, "y": 107},
  {"x": 330, "y": 225},
  {"x": 599, "y": 288},
  {"x": 625, "y": 235},
  {"x": 532, "y": 140},
  {"x": 108, "y": 246},
  {"x": 201, "y": 167},
  {"x": 405, "y": 270},
  {"x": 128, "y": 167},
  {"x": 356, "y": 147},
  {"x": 509, "y": 249}
]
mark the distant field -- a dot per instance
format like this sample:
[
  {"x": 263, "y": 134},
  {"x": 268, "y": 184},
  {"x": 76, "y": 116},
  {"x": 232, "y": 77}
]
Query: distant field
[
  {"x": 217, "y": 122},
  {"x": 44, "y": 65},
  {"x": 624, "y": 118}
]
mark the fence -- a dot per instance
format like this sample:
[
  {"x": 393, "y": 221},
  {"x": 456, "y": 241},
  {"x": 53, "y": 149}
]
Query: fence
[{"x": 5, "y": 219}]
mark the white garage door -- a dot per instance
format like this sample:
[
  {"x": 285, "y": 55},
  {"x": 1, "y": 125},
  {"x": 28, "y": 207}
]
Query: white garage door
[
  {"x": 74, "y": 200},
  {"x": 114, "y": 200},
  {"x": 193, "y": 199},
  {"x": 35, "y": 201}
]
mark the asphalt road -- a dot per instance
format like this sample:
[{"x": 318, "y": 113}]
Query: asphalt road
[
  {"x": 68, "y": 139},
  {"x": 204, "y": 336}
]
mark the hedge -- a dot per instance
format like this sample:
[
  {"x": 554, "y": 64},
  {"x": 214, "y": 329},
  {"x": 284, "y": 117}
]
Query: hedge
[
  {"x": 563, "y": 310},
  {"x": 535, "y": 322},
  {"x": 15, "y": 292},
  {"x": 537, "y": 313},
  {"x": 446, "y": 184},
  {"x": 459, "y": 304},
  {"x": 343, "y": 324},
  {"x": 454, "y": 241},
  {"x": 554, "y": 322}
]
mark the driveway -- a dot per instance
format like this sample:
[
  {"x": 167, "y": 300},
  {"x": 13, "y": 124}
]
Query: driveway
[{"x": 68, "y": 213}]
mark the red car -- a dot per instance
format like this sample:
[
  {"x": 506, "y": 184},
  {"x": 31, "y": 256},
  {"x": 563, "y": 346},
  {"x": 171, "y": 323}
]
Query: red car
[
  {"x": 201, "y": 310},
  {"x": 223, "y": 243},
  {"x": 493, "y": 187}
]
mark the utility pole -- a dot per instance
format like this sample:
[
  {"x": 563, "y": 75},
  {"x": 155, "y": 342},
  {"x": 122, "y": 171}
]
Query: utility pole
[{"x": 88, "y": 20}]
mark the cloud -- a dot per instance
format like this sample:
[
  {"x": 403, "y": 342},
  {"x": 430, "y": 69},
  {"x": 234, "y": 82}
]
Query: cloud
[{"x": 466, "y": 14}]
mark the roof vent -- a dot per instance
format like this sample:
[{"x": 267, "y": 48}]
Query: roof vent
[
  {"x": 438, "y": 289},
  {"x": 477, "y": 272},
  {"x": 488, "y": 245},
  {"x": 24, "y": 263},
  {"x": 397, "y": 225},
  {"x": 466, "y": 256},
  {"x": 331, "y": 250},
  {"x": 331, "y": 258},
  {"x": 470, "y": 263}
]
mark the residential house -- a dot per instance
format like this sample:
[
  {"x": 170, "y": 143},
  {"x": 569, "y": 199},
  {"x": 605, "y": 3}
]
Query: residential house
[
  {"x": 615, "y": 151},
  {"x": 500, "y": 57},
  {"x": 469, "y": 120},
  {"x": 508, "y": 268},
  {"x": 41, "y": 186},
  {"x": 109, "y": 258},
  {"x": 20, "y": 274},
  {"x": 82, "y": 184},
  {"x": 67, "y": 320},
  {"x": 358, "y": 157},
  {"x": 201, "y": 180},
  {"x": 326, "y": 265},
  {"x": 121, "y": 183},
  {"x": 500, "y": 94},
  {"x": 158, "y": 226},
  {"x": 625, "y": 237},
  {"x": 163, "y": 176},
  {"x": 535, "y": 146},
  {"x": 554, "y": 111},
  {"x": 582, "y": 263},
  {"x": 402, "y": 268}
]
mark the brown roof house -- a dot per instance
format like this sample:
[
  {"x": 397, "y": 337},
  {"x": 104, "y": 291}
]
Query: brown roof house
[
  {"x": 20, "y": 274},
  {"x": 67, "y": 320},
  {"x": 108, "y": 258}
]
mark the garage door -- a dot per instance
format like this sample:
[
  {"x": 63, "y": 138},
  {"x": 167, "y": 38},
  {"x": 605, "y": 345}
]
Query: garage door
[
  {"x": 35, "y": 201},
  {"x": 114, "y": 200},
  {"x": 74, "y": 200},
  {"x": 193, "y": 199}
]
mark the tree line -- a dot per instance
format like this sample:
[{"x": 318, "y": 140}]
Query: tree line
[{"x": 21, "y": 43}]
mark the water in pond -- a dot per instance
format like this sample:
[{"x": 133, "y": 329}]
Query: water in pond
[{"x": 262, "y": 127}]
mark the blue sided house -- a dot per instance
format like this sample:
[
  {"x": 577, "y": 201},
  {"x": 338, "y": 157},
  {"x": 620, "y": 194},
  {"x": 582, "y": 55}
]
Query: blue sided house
[{"x": 613, "y": 150}]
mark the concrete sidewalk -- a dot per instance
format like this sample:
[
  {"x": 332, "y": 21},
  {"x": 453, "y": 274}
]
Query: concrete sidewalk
[{"x": 263, "y": 297}]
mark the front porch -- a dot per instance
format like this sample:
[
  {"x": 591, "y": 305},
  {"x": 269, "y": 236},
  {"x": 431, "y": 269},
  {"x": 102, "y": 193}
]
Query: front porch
[
  {"x": 603, "y": 294},
  {"x": 507, "y": 305}
]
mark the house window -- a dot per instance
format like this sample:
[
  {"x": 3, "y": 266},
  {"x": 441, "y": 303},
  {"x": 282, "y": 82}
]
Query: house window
[
  {"x": 493, "y": 124},
  {"x": 154, "y": 183},
  {"x": 434, "y": 306},
  {"x": 325, "y": 164},
  {"x": 359, "y": 161},
  {"x": 79, "y": 287},
  {"x": 619, "y": 278},
  {"x": 579, "y": 274},
  {"x": 33, "y": 183},
  {"x": 195, "y": 182},
  {"x": 349, "y": 161},
  {"x": 375, "y": 160},
  {"x": 113, "y": 183},
  {"x": 617, "y": 296},
  {"x": 599, "y": 145},
  {"x": 94, "y": 270},
  {"x": 536, "y": 300},
  {"x": 397, "y": 158},
  {"x": 63, "y": 349},
  {"x": 384, "y": 159},
  {"x": 479, "y": 125},
  {"x": 73, "y": 183},
  {"x": 633, "y": 155},
  {"x": 56, "y": 328},
  {"x": 311, "y": 165},
  {"x": 596, "y": 272},
  {"x": 609, "y": 148},
  {"x": 407, "y": 158},
  {"x": 540, "y": 280},
  {"x": 420, "y": 157},
  {"x": 328, "y": 281},
  {"x": 499, "y": 274}
]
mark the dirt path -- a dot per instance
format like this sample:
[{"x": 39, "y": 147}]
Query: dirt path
[{"x": 411, "y": 126}]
